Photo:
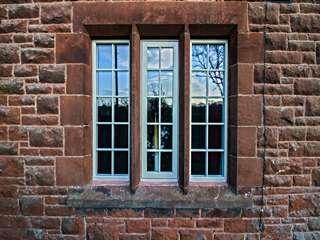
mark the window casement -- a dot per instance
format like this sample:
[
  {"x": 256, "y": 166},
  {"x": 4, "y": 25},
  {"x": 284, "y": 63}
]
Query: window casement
[
  {"x": 159, "y": 99},
  {"x": 208, "y": 122},
  {"x": 111, "y": 106},
  {"x": 159, "y": 109}
]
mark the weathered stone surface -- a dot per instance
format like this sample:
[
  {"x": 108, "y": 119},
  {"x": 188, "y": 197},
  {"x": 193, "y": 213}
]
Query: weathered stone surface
[
  {"x": 13, "y": 26},
  {"x": 38, "y": 89},
  {"x": 259, "y": 13},
  {"x": 19, "y": 133},
  {"x": 11, "y": 87},
  {"x": 24, "y": 11},
  {"x": 72, "y": 226},
  {"x": 9, "y": 54},
  {"x": 279, "y": 116},
  {"x": 37, "y": 55},
  {"x": 56, "y": 13},
  {"x": 295, "y": 71},
  {"x": 40, "y": 176},
  {"x": 47, "y": 105},
  {"x": 276, "y": 41},
  {"x": 102, "y": 232},
  {"x": 25, "y": 70},
  {"x": 11, "y": 166},
  {"x": 241, "y": 226},
  {"x": 268, "y": 73},
  {"x": 52, "y": 73},
  {"x": 307, "y": 87},
  {"x": 278, "y": 181},
  {"x": 9, "y": 115},
  {"x": 31, "y": 206},
  {"x": 44, "y": 40},
  {"x": 316, "y": 176},
  {"x": 313, "y": 106},
  {"x": 305, "y": 23},
  {"x": 304, "y": 205},
  {"x": 24, "y": 100},
  {"x": 8, "y": 148},
  {"x": 314, "y": 224},
  {"x": 307, "y": 149},
  {"x": 46, "y": 137}
]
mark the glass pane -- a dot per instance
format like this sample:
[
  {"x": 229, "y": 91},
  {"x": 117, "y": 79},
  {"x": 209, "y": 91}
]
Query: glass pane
[
  {"x": 216, "y": 56},
  {"x": 215, "y": 84},
  {"x": 214, "y": 163},
  {"x": 104, "y": 162},
  {"x": 198, "y": 163},
  {"x": 153, "y": 109},
  {"x": 122, "y": 56},
  {"x": 121, "y": 85},
  {"x": 166, "y": 83},
  {"x": 121, "y": 162},
  {"x": 153, "y": 137},
  {"x": 104, "y": 136},
  {"x": 198, "y": 110},
  {"x": 104, "y": 56},
  {"x": 166, "y": 137},
  {"x": 152, "y": 161},
  {"x": 215, "y": 109},
  {"x": 198, "y": 82},
  {"x": 199, "y": 56},
  {"x": 215, "y": 137},
  {"x": 120, "y": 136},
  {"x": 198, "y": 135},
  {"x": 166, "y": 109},
  {"x": 153, "y": 57},
  {"x": 104, "y": 109},
  {"x": 104, "y": 83},
  {"x": 166, "y": 162},
  {"x": 166, "y": 58},
  {"x": 121, "y": 109},
  {"x": 153, "y": 83}
]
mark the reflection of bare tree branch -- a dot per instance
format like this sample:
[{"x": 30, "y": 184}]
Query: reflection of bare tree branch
[{"x": 215, "y": 59}]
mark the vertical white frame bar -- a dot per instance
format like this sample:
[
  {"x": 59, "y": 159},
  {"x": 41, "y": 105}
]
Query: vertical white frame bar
[
  {"x": 161, "y": 176},
  {"x": 96, "y": 176},
  {"x": 223, "y": 177}
]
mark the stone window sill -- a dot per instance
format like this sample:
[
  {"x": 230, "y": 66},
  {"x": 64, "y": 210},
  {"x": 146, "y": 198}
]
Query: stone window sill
[{"x": 95, "y": 197}]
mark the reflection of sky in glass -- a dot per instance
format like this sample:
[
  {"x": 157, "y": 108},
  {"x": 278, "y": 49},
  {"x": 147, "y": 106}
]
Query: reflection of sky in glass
[
  {"x": 104, "y": 83},
  {"x": 199, "y": 56},
  {"x": 153, "y": 83},
  {"x": 122, "y": 83},
  {"x": 198, "y": 81},
  {"x": 215, "y": 82},
  {"x": 166, "y": 79},
  {"x": 216, "y": 56},
  {"x": 104, "y": 56},
  {"x": 153, "y": 56},
  {"x": 122, "y": 56},
  {"x": 166, "y": 58}
]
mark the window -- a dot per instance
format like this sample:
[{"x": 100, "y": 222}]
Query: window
[
  {"x": 159, "y": 109},
  {"x": 111, "y": 109},
  {"x": 159, "y": 91},
  {"x": 208, "y": 110}
]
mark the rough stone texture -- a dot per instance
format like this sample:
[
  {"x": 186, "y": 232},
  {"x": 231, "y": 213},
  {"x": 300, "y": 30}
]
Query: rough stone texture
[
  {"x": 31, "y": 206},
  {"x": 51, "y": 74},
  {"x": 46, "y": 137},
  {"x": 37, "y": 55},
  {"x": 47, "y": 105},
  {"x": 9, "y": 54},
  {"x": 46, "y": 117}
]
